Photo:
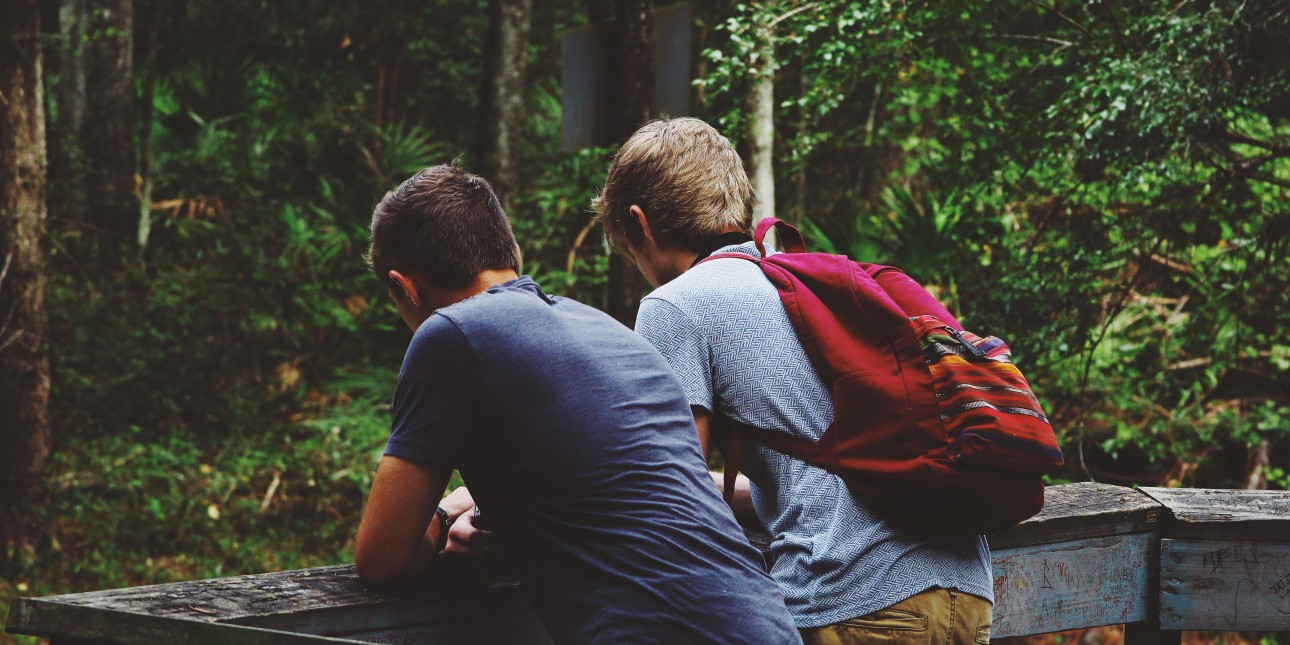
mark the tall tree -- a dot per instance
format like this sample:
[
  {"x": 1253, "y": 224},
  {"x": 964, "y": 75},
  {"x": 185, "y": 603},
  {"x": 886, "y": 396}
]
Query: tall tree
[
  {"x": 761, "y": 113},
  {"x": 24, "y": 362},
  {"x": 96, "y": 116},
  {"x": 636, "y": 75},
  {"x": 505, "y": 62}
]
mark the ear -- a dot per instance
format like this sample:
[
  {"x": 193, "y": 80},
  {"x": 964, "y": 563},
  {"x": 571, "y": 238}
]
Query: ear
[
  {"x": 639, "y": 216},
  {"x": 406, "y": 285}
]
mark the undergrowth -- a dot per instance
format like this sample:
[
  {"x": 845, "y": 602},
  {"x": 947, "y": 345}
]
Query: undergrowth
[{"x": 127, "y": 511}]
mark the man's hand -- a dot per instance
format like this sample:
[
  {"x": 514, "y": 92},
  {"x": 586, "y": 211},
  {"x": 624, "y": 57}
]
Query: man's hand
[
  {"x": 464, "y": 538},
  {"x": 469, "y": 541},
  {"x": 457, "y": 503}
]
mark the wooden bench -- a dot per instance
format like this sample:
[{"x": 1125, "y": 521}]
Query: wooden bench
[{"x": 1156, "y": 560}]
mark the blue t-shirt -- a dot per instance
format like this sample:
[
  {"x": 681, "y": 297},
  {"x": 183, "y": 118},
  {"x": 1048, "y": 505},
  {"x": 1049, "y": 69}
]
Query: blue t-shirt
[
  {"x": 722, "y": 327},
  {"x": 576, "y": 441}
]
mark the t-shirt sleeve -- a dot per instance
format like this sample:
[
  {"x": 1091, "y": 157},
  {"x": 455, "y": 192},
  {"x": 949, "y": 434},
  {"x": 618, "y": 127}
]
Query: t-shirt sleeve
[
  {"x": 676, "y": 337},
  {"x": 439, "y": 400}
]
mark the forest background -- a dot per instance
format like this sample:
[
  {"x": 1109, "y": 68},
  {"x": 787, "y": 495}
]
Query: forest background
[{"x": 1104, "y": 183}]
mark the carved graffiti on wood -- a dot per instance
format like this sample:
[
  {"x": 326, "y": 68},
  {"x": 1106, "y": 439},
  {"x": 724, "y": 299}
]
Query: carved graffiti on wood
[
  {"x": 1098, "y": 581},
  {"x": 1218, "y": 585}
]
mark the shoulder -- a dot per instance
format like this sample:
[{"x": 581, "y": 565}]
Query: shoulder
[{"x": 439, "y": 336}]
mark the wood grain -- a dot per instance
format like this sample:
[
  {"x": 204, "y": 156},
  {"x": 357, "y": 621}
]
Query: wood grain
[
  {"x": 1224, "y": 585},
  {"x": 1219, "y": 514},
  {"x": 1083, "y": 510}
]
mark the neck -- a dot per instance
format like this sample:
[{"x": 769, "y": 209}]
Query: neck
[
  {"x": 440, "y": 298},
  {"x": 486, "y": 279},
  {"x": 726, "y": 238}
]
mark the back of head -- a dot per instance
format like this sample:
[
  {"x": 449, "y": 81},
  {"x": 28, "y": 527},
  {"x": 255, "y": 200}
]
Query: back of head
[
  {"x": 685, "y": 176},
  {"x": 444, "y": 224}
]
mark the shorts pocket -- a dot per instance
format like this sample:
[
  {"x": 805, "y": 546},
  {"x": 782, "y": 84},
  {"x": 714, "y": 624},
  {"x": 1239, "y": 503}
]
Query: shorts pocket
[
  {"x": 983, "y": 635},
  {"x": 889, "y": 620}
]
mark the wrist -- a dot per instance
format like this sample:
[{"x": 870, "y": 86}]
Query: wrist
[{"x": 445, "y": 523}]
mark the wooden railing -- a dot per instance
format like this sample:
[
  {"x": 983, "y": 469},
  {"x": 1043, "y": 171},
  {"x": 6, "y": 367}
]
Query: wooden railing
[{"x": 1156, "y": 560}]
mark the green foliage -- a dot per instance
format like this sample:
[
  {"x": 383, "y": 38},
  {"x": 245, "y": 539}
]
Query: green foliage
[
  {"x": 1115, "y": 179},
  {"x": 280, "y": 499}
]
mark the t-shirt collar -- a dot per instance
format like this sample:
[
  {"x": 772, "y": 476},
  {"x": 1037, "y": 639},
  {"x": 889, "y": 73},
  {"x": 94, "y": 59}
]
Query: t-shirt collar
[
  {"x": 522, "y": 283},
  {"x": 733, "y": 238}
]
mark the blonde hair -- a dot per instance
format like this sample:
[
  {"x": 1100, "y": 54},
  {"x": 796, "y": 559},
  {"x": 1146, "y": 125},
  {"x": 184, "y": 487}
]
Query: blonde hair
[{"x": 685, "y": 176}]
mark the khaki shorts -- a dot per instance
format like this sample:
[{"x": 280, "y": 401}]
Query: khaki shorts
[{"x": 933, "y": 617}]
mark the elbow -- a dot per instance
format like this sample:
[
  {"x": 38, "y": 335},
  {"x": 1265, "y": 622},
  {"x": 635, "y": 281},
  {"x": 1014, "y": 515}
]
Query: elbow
[
  {"x": 375, "y": 573},
  {"x": 375, "y": 565}
]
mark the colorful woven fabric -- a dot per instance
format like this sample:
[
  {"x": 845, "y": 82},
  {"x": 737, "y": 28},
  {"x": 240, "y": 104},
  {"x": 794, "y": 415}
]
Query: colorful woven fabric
[{"x": 987, "y": 407}]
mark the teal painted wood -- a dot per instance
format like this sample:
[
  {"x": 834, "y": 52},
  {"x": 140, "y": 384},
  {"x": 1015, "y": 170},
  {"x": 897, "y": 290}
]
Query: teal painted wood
[
  {"x": 1068, "y": 585},
  {"x": 1225, "y": 585}
]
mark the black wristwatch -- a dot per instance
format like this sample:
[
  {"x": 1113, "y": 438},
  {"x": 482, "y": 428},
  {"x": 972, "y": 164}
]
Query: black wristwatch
[{"x": 447, "y": 524}]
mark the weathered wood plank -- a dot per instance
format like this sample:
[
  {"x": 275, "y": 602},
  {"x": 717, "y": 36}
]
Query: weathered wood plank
[
  {"x": 323, "y": 601},
  {"x": 396, "y": 612},
  {"x": 1083, "y": 510},
  {"x": 1067, "y": 585},
  {"x": 1224, "y": 585},
  {"x": 225, "y": 599},
  {"x": 1216, "y": 514},
  {"x": 100, "y": 625},
  {"x": 521, "y": 628}
]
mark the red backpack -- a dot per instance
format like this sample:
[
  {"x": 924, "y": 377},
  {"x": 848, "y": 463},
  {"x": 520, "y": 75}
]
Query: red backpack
[{"x": 934, "y": 428}]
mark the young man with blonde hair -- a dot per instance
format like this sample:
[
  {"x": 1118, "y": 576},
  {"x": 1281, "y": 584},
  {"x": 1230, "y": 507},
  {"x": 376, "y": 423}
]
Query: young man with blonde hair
[
  {"x": 570, "y": 431},
  {"x": 676, "y": 194}
]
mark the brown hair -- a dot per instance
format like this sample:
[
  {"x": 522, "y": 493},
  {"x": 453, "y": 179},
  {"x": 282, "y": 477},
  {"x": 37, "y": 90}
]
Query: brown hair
[
  {"x": 685, "y": 176},
  {"x": 445, "y": 224}
]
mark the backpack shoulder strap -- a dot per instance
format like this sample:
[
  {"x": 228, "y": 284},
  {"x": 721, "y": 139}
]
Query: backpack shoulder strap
[{"x": 790, "y": 239}]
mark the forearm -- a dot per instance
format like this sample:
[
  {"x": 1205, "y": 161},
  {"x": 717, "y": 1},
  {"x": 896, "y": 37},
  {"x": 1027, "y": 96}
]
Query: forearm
[
  {"x": 399, "y": 531},
  {"x": 427, "y": 549}
]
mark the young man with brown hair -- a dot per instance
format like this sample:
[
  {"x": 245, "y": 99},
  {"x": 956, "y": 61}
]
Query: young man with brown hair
[
  {"x": 570, "y": 430},
  {"x": 677, "y": 193}
]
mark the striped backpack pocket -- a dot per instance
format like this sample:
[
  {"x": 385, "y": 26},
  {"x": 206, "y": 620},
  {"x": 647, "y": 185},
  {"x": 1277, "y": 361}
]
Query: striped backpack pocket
[{"x": 990, "y": 415}]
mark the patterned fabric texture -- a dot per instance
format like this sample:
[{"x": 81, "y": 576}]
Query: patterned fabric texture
[
  {"x": 986, "y": 404},
  {"x": 723, "y": 330}
]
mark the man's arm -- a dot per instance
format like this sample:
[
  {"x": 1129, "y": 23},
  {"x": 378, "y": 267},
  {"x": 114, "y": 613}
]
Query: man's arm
[
  {"x": 397, "y": 537},
  {"x": 742, "y": 502}
]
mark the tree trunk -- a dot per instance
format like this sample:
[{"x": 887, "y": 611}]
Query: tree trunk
[
  {"x": 761, "y": 124},
  {"x": 149, "y": 85},
  {"x": 1260, "y": 458},
  {"x": 24, "y": 361},
  {"x": 503, "y": 109},
  {"x": 96, "y": 117},
  {"x": 66, "y": 77},
  {"x": 636, "y": 75}
]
